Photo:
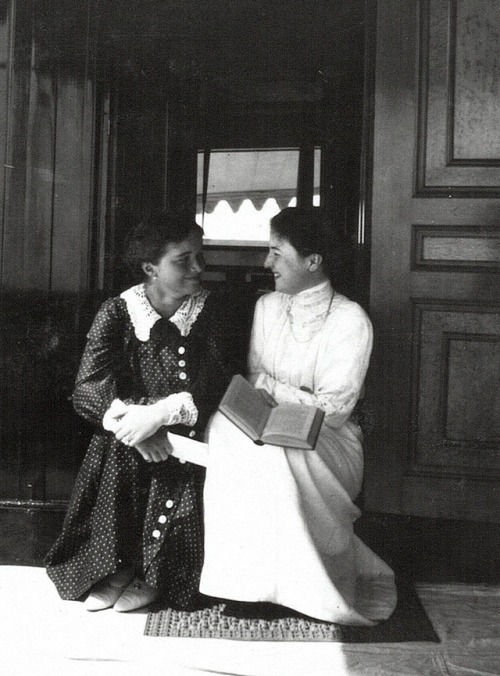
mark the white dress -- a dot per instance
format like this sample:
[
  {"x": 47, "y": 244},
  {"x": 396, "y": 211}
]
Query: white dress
[{"x": 279, "y": 521}]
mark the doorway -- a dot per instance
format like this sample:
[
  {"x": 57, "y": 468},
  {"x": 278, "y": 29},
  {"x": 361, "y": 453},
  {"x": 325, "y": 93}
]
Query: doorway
[{"x": 238, "y": 77}]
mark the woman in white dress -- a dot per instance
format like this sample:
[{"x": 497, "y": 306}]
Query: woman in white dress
[{"x": 279, "y": 521}]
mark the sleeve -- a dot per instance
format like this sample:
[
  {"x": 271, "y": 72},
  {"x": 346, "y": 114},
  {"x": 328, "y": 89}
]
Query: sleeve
[
  {"x": 340, "y": 372},
  {"x": 105, "y": 374},
  {"x": 257, "y": 338},
  {"x": 96, "y": 382}
]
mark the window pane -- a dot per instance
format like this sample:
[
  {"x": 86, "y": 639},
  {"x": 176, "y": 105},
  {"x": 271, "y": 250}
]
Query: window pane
[{"x": 245, "y": 189}]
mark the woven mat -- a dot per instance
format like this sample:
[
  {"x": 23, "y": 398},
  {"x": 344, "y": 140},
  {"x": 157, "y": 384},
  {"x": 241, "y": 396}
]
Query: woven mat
[{"x": 267, "y": 622}]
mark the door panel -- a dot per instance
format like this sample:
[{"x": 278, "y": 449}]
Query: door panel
[
  {"x": 435, "y": 261},
  {"x": 457, "y": 398},
  {"x": 459, "y": 116}
]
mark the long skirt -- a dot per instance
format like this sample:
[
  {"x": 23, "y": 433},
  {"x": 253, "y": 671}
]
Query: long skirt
[
  {"x": 279, "y": 527},
  {"x": 125, "y": 512}
]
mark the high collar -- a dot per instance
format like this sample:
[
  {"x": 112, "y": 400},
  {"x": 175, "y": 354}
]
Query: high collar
[
  {"x": 308, "y": 309},
  {"x": 316, "y": 295},
  {"x": 143, "y": 315}
]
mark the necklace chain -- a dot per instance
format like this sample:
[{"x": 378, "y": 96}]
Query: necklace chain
[{"x": 290, "y": 320}]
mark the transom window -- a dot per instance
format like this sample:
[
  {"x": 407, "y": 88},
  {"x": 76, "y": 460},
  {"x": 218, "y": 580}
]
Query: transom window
[{"x": 239, "y": 191}]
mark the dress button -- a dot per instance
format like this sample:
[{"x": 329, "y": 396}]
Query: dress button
[
  {"x": 182, "y": 375},
  {"x": 169, "y": 504},
  {"x": 192, "y": 433},
  {"x": 181, "y": 350},
  {"x": 162, "y": 518},
  {"x": 182, "y": 362},
  {"x": 156, "y": 534}
]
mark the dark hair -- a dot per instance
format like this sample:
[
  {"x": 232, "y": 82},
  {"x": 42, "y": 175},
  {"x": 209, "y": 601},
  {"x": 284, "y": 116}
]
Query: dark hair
[
  {"x": 148, "y": 241},
  {"x": 308, "y": 231}
]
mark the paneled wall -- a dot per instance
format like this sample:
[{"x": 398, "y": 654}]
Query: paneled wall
[
  {"x": 47, "y": 126},
  {"x": 49, "y": 129},
  {"x": 83, "y": 143}
]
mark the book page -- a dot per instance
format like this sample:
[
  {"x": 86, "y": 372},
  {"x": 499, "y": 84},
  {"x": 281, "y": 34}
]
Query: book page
[
  {"x": 188, "y": 449},
  {"x": 290, "y": 425},
  {"x": 245, "y": 406}
]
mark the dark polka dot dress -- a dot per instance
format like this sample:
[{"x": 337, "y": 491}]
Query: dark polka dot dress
[{"x": 124, "y": 511}]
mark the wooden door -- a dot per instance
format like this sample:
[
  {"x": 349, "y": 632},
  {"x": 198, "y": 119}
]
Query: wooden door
[{"x": 435, "y": 213}]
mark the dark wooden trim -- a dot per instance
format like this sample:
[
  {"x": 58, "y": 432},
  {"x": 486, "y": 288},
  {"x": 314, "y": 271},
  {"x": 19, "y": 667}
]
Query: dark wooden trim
[
  {"x": 44, "y": 505},
  {"x": 6, "y": 163},
  {"x": 434, "y": 550},
  {"x": 450, "y": 82},
  {"x": 305, "y": 177},
  {"x": 364, "y": 221},
  {"x": 423, "y": 40},
  {"x": 459, "y": 192}
]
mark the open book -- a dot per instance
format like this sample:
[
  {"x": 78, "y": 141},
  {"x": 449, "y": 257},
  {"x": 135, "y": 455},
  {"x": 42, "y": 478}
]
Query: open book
[{"x": 265, "y": 421}]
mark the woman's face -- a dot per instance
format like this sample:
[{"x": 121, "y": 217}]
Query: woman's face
[
  {"x": 291, "y": 270},
  {"x": 178, "y": 272}
]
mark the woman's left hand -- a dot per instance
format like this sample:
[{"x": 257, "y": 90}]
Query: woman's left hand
[
  {"x": 137, "y": 424},
  {"x": 157, "y": 448}
]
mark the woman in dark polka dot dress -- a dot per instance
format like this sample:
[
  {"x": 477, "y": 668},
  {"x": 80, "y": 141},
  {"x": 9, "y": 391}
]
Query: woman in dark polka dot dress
[{"x": 157, "y": 356}]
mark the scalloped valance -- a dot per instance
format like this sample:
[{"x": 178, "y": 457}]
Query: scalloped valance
[{"x": 257, "y": 175}]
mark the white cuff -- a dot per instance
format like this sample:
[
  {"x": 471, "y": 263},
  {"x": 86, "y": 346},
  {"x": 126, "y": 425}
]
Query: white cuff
[
  {"x": 178, "y": 409},
  {"x": 261, "y": 381}
]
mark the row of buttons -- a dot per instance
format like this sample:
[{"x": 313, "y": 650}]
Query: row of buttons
[
  {"x": 182, "y": 363},
  {"x": 170, "y": 503},
  {"x": 162, "y": 519},
  {"x": 183, "y": 376}
]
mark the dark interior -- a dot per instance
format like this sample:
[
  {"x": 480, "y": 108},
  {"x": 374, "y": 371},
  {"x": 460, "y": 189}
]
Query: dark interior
[{"x": 242, "y": 75}]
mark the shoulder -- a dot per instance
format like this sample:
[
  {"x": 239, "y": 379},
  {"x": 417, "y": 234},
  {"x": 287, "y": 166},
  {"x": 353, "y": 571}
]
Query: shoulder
[
  {"x": 349, "y": 314},
  {"x": 112, "y": 311},
  {"x": 114, "y": 304},
  {"x": 113, "y": 307},
  {"x": 343, "y": 306},
  {"x": 271, "y": 302}
]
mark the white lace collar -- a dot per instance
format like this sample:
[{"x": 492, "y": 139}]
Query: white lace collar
[
  {"x": 307, "y": 310},
  {"x": 143, "y": 315}
]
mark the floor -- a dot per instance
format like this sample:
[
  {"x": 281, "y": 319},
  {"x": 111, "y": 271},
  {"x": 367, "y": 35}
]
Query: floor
[{"x": 44, "y": 636}]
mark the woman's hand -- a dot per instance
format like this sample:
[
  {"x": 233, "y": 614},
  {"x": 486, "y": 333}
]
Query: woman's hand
[
  {"x": 157, "y": 448},
  {"x": 138, "y": 424},
  {"x": 113, "y": 415}
]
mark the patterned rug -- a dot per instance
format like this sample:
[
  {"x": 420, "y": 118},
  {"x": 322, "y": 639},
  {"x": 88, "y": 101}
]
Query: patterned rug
[{"x": 267, "y": 622}]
